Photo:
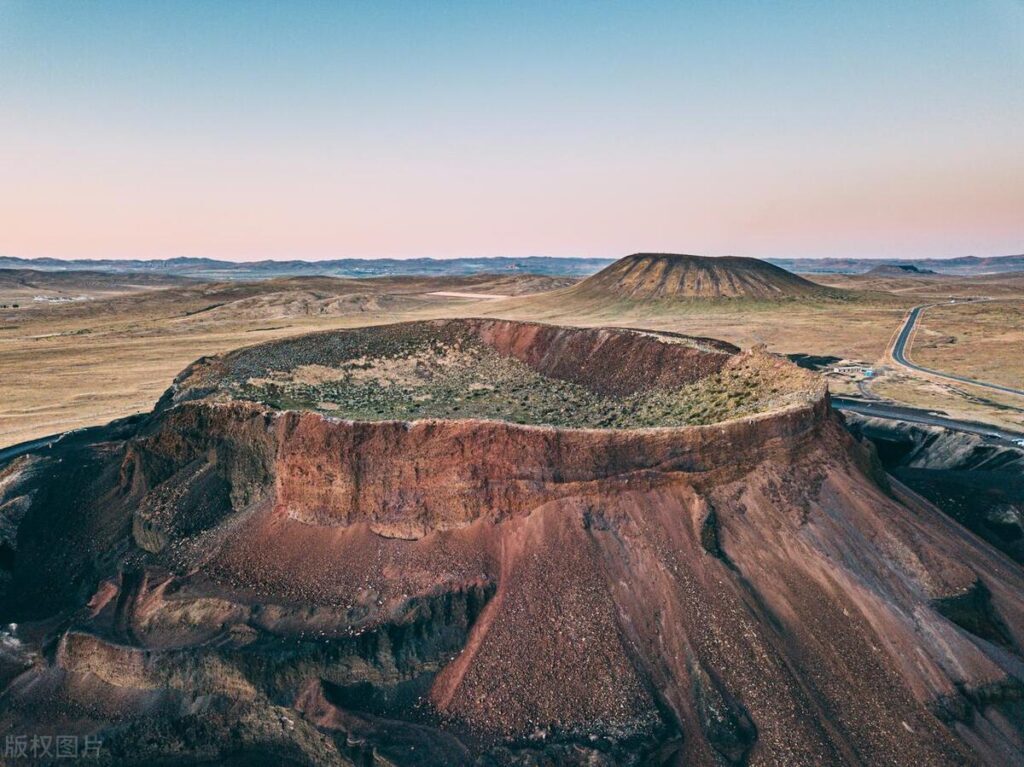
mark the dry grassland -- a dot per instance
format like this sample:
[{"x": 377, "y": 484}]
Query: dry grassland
[{"x": 70, "y": 365}]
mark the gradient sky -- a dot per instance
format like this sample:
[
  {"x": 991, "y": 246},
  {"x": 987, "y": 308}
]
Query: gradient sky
[{"x": 251, "y": 130}]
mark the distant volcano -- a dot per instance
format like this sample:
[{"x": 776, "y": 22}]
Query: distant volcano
[
  {"x": 661, "y": 276},
  {"x": 898, "y": 270}
]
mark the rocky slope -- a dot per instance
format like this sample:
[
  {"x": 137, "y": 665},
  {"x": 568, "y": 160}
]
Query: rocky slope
[
  {"x": 668, "y": 276},
  {"x": 225, "y": 582}
]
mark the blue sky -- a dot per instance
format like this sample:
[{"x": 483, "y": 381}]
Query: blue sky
[{"x": 314, "y": 130}]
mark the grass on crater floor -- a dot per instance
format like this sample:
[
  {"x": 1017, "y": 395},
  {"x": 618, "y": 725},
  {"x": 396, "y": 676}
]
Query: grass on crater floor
[{"x": 471, "y": 380}]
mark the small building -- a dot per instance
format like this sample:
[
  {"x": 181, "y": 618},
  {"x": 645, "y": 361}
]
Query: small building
[{"x": 854, "y": 370}]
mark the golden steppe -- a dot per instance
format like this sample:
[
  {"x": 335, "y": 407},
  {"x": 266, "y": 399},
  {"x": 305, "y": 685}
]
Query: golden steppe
[{"x": 70, "y": 364}]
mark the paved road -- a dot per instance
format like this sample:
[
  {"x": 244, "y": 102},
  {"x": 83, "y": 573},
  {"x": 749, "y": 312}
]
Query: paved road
[
  {"x": 117, "y": 429},
  {"x": 35, "y": 445},
  {"x": 899, "y": 353},
  {"x": 913, "y": 415}
]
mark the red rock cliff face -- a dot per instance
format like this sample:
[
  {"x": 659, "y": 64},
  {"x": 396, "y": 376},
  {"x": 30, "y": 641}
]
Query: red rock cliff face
[
  {"x": 459, "y": 592},
  {"x": 605, "y": 359},
  {"x": 408, "y": 480}
]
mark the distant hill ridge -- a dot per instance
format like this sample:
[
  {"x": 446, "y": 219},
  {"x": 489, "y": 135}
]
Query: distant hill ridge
[
  {"x": 964, "y": 265},
  {"x": 209, "y": 268}
]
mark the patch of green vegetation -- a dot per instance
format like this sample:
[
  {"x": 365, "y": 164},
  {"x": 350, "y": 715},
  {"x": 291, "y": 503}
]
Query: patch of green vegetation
[{"x": 469, "y": 380}]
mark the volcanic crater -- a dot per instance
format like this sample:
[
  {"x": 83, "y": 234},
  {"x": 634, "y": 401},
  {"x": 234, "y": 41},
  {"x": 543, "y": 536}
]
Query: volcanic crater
[
  {"x": 522, "y": 373},
  {"x": 490, "y": 542}
]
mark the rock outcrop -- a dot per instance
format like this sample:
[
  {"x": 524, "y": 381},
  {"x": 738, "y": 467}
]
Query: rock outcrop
[{"x": 226, "y": 582}]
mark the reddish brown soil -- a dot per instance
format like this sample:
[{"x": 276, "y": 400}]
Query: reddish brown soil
[{"x": 221, "y": 581}]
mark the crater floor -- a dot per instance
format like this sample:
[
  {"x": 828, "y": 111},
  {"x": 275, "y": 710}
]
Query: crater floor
[{"x": 470, "y": 370}]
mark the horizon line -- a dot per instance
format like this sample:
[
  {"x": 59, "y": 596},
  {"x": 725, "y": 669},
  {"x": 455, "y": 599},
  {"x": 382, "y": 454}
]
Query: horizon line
[{"x": 491, "y": 258}]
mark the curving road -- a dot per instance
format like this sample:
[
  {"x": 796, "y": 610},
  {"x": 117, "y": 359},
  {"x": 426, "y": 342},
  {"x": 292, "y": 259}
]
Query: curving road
[
  {"x": 116, "y": 429},
  {"x": 893, "y": 412},
  {"x": 32, "y": 446},
  {"x": 899, "y": 354}
]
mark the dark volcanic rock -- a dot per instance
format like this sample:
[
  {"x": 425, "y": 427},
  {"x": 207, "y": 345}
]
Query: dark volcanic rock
[{"x": 977, "y": 481}]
